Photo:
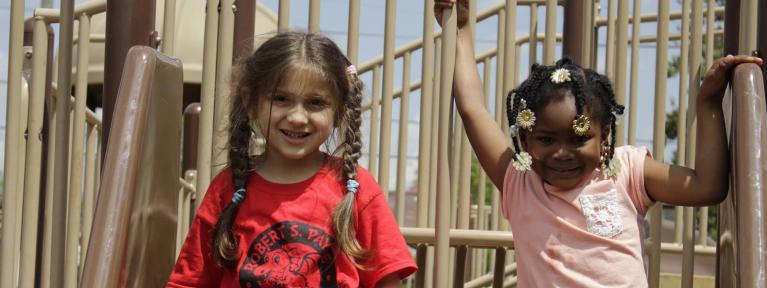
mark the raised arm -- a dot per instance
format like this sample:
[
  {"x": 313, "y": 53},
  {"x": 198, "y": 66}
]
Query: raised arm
[
  {"x": 707, "y": 183},
  {"x": 492, "y": 147}
]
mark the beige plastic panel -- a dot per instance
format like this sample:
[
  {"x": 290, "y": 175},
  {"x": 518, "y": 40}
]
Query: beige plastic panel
[{"x": 133, "y": 242}]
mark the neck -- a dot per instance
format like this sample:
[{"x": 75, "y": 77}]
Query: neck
[{"x": 280, "y": 170}]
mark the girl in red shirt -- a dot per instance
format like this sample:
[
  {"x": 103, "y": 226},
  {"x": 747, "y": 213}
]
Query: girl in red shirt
[{"x": 289, "y": 214}]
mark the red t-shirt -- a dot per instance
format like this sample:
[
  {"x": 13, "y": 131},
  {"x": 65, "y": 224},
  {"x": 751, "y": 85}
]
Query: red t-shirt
[{"x": 286, "y": 238}]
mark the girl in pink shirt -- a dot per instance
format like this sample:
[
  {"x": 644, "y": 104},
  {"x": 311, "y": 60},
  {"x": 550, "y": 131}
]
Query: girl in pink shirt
[{"x": 576, "y": 202}]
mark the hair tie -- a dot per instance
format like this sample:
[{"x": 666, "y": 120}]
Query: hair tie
[
  {"x": 351, "y": 70},
  {"x": 352, "y": 185},
  {"x": 238, "y": 196}
]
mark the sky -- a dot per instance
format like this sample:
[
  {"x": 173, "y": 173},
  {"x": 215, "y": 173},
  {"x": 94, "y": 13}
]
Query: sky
[{"x": 409, "y": 23}]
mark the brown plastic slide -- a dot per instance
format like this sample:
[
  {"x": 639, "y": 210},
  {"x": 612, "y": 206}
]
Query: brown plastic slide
[
  {"x": 133, "y": 238},
  {"x": 742, "y": 254}
]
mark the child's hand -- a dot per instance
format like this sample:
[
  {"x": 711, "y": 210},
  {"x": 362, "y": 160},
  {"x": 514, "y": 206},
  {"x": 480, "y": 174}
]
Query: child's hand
[
  {"x": 715, "y": 81},
  {"x": 463, "y": 10}
]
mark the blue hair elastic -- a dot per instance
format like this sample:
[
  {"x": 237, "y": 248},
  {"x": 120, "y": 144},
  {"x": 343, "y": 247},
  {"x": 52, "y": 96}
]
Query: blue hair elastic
[
  {"x": 238, "y": 196},
  {"x": 352, "y": 185}
]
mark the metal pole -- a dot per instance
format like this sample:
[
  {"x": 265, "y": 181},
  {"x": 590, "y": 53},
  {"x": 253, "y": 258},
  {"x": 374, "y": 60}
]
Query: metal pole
[
  {"x": 61, "y": 169},
  {"x": 374, "y": 122},
  {"x": 731, "y": 27},
  {"x": 314, "y": 16},
  {"x": 283, "y": 20},
  {"x": 682, "y": 126},
  {"x": 386, "y": 104},
  {"x": 76, "y": 164},
  {"x": 509, "y": 47},
  {"x": 424, "y": 133},
  {"x": 207, "y": 90},
  {"x": 353, "y": 42},
  {"x": 13, "y": 130},
  {"x": 748, "y": 14},
  {"x": 169, "y": 28},
  {"x": 619, "y": 74},
  {"x": 634, "y": 72},
  {"x": 610, "y": 61},
  {"x": 442, "y": 247},
  {"x": 550, "y": 42},
  {"x": 244, "y": 22},
  {"x": 659, "y": 137},
  {"x": 533, "y": 43},
  {"x": 221, "y": 99},
  {"x": 404, "y": 108}
]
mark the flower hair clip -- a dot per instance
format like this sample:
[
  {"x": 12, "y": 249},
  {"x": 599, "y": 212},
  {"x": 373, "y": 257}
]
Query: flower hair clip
[
  {"x": 526, "y": 117},
  {"x": 522, "y": 161},
  {"x": 351, "y": 70},
  {"x": 581, "y": 125},
  {"x": 560, "y": 76}
]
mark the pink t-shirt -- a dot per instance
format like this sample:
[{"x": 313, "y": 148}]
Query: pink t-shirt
[{"x": 588, "y": 236}]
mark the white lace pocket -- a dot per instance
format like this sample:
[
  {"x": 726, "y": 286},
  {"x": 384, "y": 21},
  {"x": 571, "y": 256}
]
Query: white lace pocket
[{"x": 603, "y": 216}]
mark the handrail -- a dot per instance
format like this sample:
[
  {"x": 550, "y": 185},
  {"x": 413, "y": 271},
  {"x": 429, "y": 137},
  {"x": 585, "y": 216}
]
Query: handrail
[
  {"x": 473, "y": 238},
  {"x": 89, "y": 8},
  {"x": 742, "y": 257}
]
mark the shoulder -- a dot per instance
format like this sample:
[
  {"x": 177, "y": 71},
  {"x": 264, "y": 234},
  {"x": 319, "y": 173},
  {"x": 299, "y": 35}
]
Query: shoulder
[
  {"x": 369, "y": 188},
  {"x": 632, "y": 155}
]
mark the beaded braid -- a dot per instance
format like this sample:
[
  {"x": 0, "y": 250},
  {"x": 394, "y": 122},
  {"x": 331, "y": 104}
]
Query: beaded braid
[
  {"x": 607, "y": 98},
  {"x": 224, "y": 242},
  {"x": 343, "y": 214}
]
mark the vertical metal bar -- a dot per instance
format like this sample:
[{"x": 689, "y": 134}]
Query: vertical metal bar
[
  {"x": 90, "y": 187},
  {"x": 688, "y": 250},
  {"x": 635, "y": 38},
  {"x": 464, "y": 183},
  {"x": 460, "y": 266},
  {"x": 588, "y": 34},
  {"x": 425, "y": 129},
  {"x": 434, "y": 159},
  {"x": 610, "y": 60},
  {"x": 500, "y": 266},
  {"x": 748, "y": 20},
  {"x": 314, "y": 16},
  {"x": 420, "y": 256},
  {"x": 711, "y": 5},
  {"x": 620, "y": 66},
  {"x": 449, "y": 32},
  {"x": 169, "y": 28},
  {"x": 45, "y": 274},
  {"x": 386, "y": 104},
  {"x": 374, "y": 122},
  {"x": 659, "y": 137},
  {"x": 681, "y": 127},
  {"x": 703, "y": 224},
  {"x": 573, "y": 32},
  {"x": 353, "y": 38},
  {"x": 13, "y": 132},
  {"x": 509, "y": 47},
  {"x": 223, "y": 68},
  {"x": 76, "y": 164},
  {"x": 500, "y": 91},
  {"x": 731, "y": 27},
  {"x": 283, "y": 20},
  {"x": 404, "y": 110},
  {"x": 550, "y": 40},
  {"x": 33, "y": 155},
  {"x": 207, "y": 91},
  {"x": 61, "y": 171},
  {"x": 533, "y": 43}
]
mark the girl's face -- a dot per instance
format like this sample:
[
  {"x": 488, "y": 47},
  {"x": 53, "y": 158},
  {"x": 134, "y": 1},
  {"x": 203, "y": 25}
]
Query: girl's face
[
  {"x": 303, "y": 113},
  {"x": 561, "y": 157}
]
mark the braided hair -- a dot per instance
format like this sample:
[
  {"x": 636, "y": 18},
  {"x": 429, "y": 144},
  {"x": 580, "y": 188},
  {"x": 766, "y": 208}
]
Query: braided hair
[
  {"x": 258, "y": 76},
  {"x": 590, "y": 89}
]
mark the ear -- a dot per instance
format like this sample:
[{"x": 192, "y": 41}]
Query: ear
[
  {"x": 250, "y": 102},
  {"x": 605, "y": 135}
]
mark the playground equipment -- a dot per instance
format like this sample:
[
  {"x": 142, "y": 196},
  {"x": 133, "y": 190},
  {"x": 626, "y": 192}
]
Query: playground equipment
[{"x": 53, "y": 179}]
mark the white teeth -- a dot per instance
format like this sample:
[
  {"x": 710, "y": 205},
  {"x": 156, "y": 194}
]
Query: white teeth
[{"x": 295, "y": 134}]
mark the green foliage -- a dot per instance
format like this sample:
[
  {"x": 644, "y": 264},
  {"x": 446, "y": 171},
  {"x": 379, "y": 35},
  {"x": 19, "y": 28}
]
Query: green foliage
[{"x": 475, "y": 172}]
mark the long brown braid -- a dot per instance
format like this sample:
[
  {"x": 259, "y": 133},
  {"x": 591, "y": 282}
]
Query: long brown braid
[{"x": 259, "y": 76}]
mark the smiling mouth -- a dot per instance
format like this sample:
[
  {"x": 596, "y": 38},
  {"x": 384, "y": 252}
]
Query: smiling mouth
[
  {"x": 564, "y": 171},
  {"x": 292, "y": 134}
]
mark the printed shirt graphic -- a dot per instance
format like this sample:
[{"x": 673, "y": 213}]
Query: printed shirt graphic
[
  {"x": 588, "y": 236},
  {"x": 286, "y": 238}
]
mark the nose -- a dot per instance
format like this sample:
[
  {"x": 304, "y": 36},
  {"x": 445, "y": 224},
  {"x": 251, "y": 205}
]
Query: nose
[
  {"x": 298, "y": 115},
  {"x": 562, "y": 152}
]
